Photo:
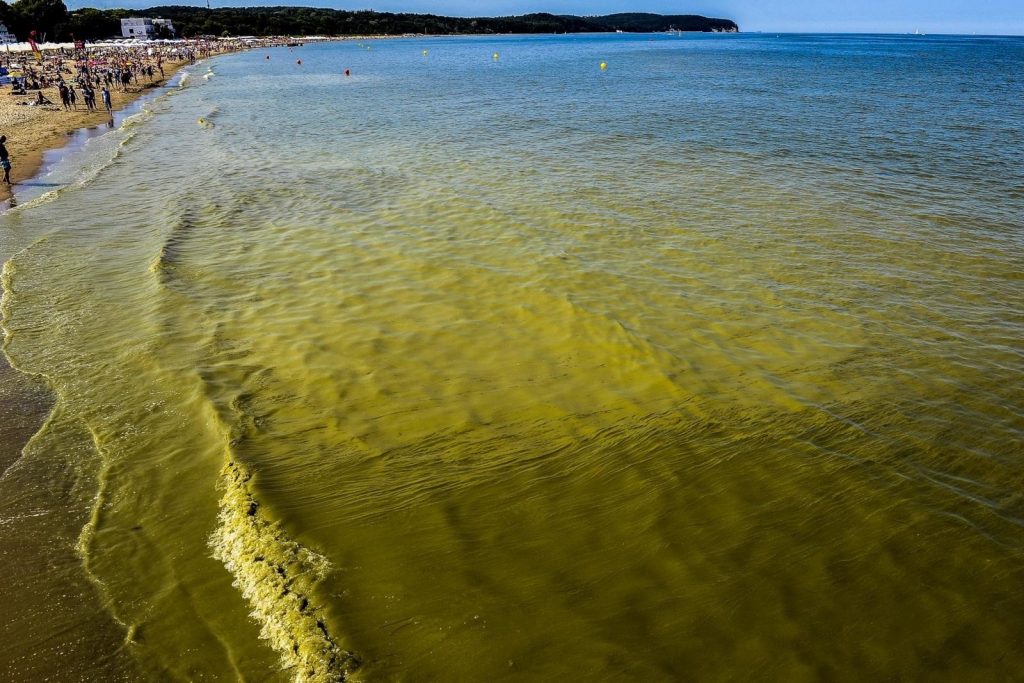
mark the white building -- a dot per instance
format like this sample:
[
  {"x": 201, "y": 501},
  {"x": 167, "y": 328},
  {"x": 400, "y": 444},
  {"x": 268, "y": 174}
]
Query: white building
[
  {"x": 146, "y": 29},
  {"x": 137, "y": 27},
  {"x": 6, "y": 36}
]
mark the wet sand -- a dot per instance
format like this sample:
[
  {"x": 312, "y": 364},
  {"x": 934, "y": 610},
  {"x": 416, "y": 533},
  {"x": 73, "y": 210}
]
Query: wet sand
[
  {"x": 24, "y": 405},
  {"x": 30, "y": 549}
]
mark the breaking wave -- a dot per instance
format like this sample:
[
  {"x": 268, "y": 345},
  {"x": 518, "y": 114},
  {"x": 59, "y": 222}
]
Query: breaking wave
[{"x": 277, "y": 576}]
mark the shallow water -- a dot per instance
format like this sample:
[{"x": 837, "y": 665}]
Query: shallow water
[{"x": 706, "y": 366}]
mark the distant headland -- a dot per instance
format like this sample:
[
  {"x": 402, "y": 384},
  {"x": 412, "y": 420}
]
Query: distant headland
[{"x": 94, "y": 24}]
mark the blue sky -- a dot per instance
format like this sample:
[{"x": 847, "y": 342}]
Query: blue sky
[{"x": 885, "y": 16}]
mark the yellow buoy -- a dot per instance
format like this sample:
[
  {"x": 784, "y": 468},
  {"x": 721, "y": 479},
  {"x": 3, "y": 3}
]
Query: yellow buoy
[
  {"x": 495, "y": 56},
  {"x": 604, "y": 66}
]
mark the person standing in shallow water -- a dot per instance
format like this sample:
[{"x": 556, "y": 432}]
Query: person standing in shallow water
[
  {"x": 5, "y": 159},
  {"x": 106, "y": 99}
]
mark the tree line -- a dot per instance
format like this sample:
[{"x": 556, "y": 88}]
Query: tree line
[{"x": 52, "y": 19}]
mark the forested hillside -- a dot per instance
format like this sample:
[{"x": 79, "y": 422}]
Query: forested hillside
[{"x": 51, "y": 17}]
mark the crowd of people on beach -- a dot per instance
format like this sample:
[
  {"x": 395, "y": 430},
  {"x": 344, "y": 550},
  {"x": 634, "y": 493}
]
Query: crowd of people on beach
[{"x": 77, "y": 75}]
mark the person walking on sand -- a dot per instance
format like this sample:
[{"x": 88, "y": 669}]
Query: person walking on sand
[
  {"x": 64, "y": 98},
  {"x": 5, "y": 159},
  {"x": 106, "y": 100}
]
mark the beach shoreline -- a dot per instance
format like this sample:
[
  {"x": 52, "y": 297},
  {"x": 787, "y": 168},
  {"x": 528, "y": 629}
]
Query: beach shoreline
[
  {"x": 33, "y": 127},
  {"x": 32, "y": 131},
  {"x": 37, "y": 130}
]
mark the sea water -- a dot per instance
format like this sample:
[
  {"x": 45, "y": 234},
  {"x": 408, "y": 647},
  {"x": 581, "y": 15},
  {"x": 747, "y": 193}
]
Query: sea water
[{"x": 484, "y": 363}]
